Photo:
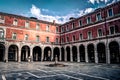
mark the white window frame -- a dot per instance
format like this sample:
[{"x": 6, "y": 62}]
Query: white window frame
[
  {"x": 48, "y": 28},
  {"x": 73, "y": 38},
  {"x": 90, "y": 37},
  {"x": 98, "y": 32},
  {"x": 37, "y": 26},
  {"x": 97, "y": 17},
  {"x": 79, "y": 23},
  {"x": 57, "y": 40},
  {"x": 73, "y": 25},
  {"x": 26, "y": 37},
  {"x": 1, "y": 33},
  {"x": 110, "y": 30},
  {"x": 108, "y": 12},
  {"x": 14, "y": 35},
  {"x": 80, "y": 38},
  {"x": 15, "y": 22},
  {"x": 37, "y": 38},
  {"x": 27, "y": 24},
  {"x": 47, "y": 39},
  {"x": 88, "y": 21}
]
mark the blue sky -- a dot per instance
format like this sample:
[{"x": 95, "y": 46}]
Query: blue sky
[{"x": 49, "y": 10}]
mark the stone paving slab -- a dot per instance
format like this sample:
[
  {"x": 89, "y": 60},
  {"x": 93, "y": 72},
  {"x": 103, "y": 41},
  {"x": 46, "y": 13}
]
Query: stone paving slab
[{"x": 74, "y": 71}]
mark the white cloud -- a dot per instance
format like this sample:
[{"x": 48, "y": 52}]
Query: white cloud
[
  {"x": 98, "y": 1},
  {"x": 36, "y": 12}
]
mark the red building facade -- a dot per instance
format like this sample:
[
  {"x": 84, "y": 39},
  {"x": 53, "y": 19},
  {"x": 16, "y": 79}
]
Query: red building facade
[{"x": 94, "y": 37}]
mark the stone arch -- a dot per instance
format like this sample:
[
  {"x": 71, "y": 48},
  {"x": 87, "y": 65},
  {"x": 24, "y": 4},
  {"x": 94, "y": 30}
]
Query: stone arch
[
  {"x": 101, "y": 50},
  {"x": 2, "y": 52},
  {"x": 13, "y": 53},
  {"x": 62, "y": 54},
  {"x": 74, "y": 53},
  {"x": 91, "y": 55},
  {"x": 114, "y": 52},
  {"x": 82, "y": 53},
  {"x": 47, "y": 54},
  {"x": 56, "y": 53},
  {"x": 25, "y": 53},
  {"x": 68, "y": 53},
  {"x": 37, "y": 53}
]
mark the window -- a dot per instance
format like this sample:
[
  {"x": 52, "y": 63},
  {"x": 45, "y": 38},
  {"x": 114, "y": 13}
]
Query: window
[
  {"x": 26, "y": 37},
  {"x": 98, "y": 17},
  {"x": 100, "y": 32},
  {"x": 62, "y": 29},
  {"x": 110, "y": 12},
  {"x": 1, "y": 33},
  {"x": 67, "y": 39},
  {"x": 27, "y": 24},
  {"x": 1, "y": 17},
  {"x": 67, "y": 28},
  {"x": 47, "y": 39},
  {"x": 37, "y": 26},
  {"x": 81, "y": 37},
  {"x": 15, "y": 22},
  {"x": 88, "y": 20},
  {"x": 57, "y": 40},
  {"x": 73, "y": 38},
  {"x": 73, "y": 25},
  {"x": 56, "y": 29},
  {"x": 80, "y": 23},
  {"x": 89, "y": 35},
  {"x": 37, "y": 38},
  {"x": 113, "y": 29},
  {"x": 14, "y": 36},
  {"x": 47, "y": 28}
]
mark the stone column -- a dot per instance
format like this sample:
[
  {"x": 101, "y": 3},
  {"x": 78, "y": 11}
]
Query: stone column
[
  {"x": 86, "y": 54},
  {"x": 6, "y": 53},
  {"x": 31, "y": 54},
  {"x": 42, "y": 55},
  {"x": 65, "y": 55},
  {"x": 19, "y": 55},
  {"x": 52, "y": 54},
  {"x": 16, "y": 55},
  {"x": 107, "y": 54},
  {"x": 78, "y": 54},
  {"x": 60, "y": 55},
  {"x": 71, "y": 54},
  {"x": 96, "y": 55}
]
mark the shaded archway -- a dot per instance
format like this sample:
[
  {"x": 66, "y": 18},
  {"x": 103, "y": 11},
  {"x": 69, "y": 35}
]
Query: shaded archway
[
  {"x": 13, "y": 53},
  {"x": 68, "y": 53},
  {"x": 2, "y": 52},
  {"x": 47, "y": 54},
  {"x": 74, "y": 53},
  {"x": 62, "y": 54},
  {"x": 82, "y": 53},
  {"x": 25, "y": 53},
  {"x": 101, "y": 53},
  {"x": 90, "y": 49},
  {"x": 114, "y": 52},
  {"x": 37, "y": 53},
  {"x": 56, "y": 53}
]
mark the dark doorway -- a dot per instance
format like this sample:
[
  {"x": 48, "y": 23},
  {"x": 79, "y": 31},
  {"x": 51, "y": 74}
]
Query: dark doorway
[
  {"x": 101, "y": 53},
  {"x": 2, "y": 52},
  {"x": 37, "y": 53},
  {"x": 91, "y": 56},
  {"x": 74, "y": 53},
  {"x": 114, "y": 52},
  {"x": 25, "y": 53},
  {"x": 56, "y": 53},
  {"x": 68, "y": 53},
  {"x": 13, "y": 53},
  {"x": 47, "y": 54},
  {"x": 82, "y": 53},
  {"x": 62, "y": 54}
]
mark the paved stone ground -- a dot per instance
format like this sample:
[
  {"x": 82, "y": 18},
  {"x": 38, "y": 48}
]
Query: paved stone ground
[{"x": 74, "y": 71}]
